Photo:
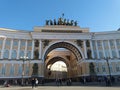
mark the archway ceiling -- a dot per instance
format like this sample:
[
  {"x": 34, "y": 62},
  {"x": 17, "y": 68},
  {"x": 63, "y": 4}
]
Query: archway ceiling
[
  {"x": 64, "y": 45},
  {"x": 55, "y": 59}
]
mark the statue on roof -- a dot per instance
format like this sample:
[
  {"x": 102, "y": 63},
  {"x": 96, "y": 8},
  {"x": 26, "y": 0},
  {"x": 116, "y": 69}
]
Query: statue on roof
[
  {"x": 68, "y": 23},
  {"x": 47, "y": 22},
  {"x": 75, "y": 23},
  {"x": 55, "y": 23},
  {"x": 62, "y": 21},
  {"x": 71, "y": 22},
  {"x": 51, "y": 22}
]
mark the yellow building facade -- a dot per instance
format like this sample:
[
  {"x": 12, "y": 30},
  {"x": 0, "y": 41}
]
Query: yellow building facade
[{"x": 84, "y": 53}]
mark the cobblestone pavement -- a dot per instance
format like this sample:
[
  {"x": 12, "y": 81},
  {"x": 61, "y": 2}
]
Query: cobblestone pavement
[{"x": 60, "y": 88}]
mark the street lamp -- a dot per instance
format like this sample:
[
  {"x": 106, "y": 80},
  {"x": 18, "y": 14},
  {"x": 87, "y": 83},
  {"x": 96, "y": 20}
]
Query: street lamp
[
  {"x": 23, "y": 59},
  {"x": 108, "y": 65}
]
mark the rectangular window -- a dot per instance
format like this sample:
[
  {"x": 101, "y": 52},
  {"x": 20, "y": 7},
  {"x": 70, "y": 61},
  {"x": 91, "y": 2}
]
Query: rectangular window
[
  {"x": 1, "y": 41},
  {"x": 22, "y": 43},
  {"x": 95, "y": 53},
  {"x": 117, "y": 68},
  {"x": 111, "y": 69},
  {"x": 105, "y": 44},
  {"x": 99, "y": 44},
  {"x": 30, "y": 43},
  {"x": 118, "y": 43},
  {"x": 111, "y": 43},
  {"x": 93, "y": 44},
  {"x": 8, "y": 42},
  {"x": 101, "y": 54},
  {"x": 103, "y": 68},
  {"x": 15, "y": 43},
  {"x": 119, "y": 52},
  {"x": 114, "y": 54},
  {"x": 107, "y": 54}
]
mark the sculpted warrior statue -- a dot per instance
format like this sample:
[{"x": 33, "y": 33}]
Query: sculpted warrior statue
[
  {"x": 71, "y": 23},
  {"x": 64, "y": 22},
  {"x": 60, "y": 21},
  {"x": 47, "y": 22},
  {"x": 51, "y": 23},
  {"x": 55, "y": 22},
  {"x": 68, "y": 22},
  {"x": 75, "y": 23}
]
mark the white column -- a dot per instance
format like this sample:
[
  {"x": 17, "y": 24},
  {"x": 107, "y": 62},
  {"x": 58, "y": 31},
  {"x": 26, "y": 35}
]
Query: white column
[
  {"x": 110, "y": 51},
  {"x": 40, "y": 49},
  {"x": 97, "y": 49},
  {"x": 116, "y": 48},
  {"x": 91, "y": 46},
  {"x": 11, "y": 46},
  {"x": 3, "y": 46},
  {"x": 103, "y": 49},
  {"x": 85, "y": 49},
  {"x": 25, "y": 54},
  {"x": 18, "y": 51},
  {"x": 32, "y": 52}
]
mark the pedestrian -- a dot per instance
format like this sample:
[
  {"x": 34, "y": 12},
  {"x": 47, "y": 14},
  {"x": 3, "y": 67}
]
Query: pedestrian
[
  {"x": 36, "y": 82},
  {"x": 33, "y": 82}
]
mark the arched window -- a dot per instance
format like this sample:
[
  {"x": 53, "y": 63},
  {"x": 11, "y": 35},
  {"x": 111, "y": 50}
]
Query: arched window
[
  {"x": 6, "y": 54},
  {"x": 14, "y": 54}
]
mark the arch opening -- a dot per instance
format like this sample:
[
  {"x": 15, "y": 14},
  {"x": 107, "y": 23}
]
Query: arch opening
[
  {"x": 61, "y": 52},
  {"x": 64, "y": 45}
]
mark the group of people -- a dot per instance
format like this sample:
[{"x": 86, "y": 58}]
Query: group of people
[
  {"x": 59, "y": 82},
  {"x": 34, "y": 82}
]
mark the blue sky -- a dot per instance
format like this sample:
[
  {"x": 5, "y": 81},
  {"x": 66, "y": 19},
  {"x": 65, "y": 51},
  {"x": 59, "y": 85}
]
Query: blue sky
[{"x": 98, "y": 15}]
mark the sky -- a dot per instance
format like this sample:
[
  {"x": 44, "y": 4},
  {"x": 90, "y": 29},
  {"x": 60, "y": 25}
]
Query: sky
[{"x": 97, "y": 15}]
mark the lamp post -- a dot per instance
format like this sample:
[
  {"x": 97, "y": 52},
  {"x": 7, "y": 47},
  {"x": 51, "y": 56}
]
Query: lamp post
[
  {"x": 109, "y": 72},
  {"x": 23, "y": 60}
]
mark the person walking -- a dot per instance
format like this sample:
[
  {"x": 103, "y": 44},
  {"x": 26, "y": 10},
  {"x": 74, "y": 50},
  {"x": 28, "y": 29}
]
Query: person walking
[
  {"x": 33, "y": 82},
  {"x": 36, "y": 82}
]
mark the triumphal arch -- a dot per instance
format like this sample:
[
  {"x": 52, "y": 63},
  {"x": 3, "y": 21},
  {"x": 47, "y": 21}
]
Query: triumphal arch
[
  {"x": 62, "y": 42},
  {"x": 26, "y": 54}
]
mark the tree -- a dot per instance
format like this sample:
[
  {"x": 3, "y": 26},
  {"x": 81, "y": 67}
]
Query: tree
[{"x": 35, "y": 69}]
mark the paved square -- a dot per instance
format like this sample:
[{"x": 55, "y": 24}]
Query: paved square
[{"x": 61, "y": 88}]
